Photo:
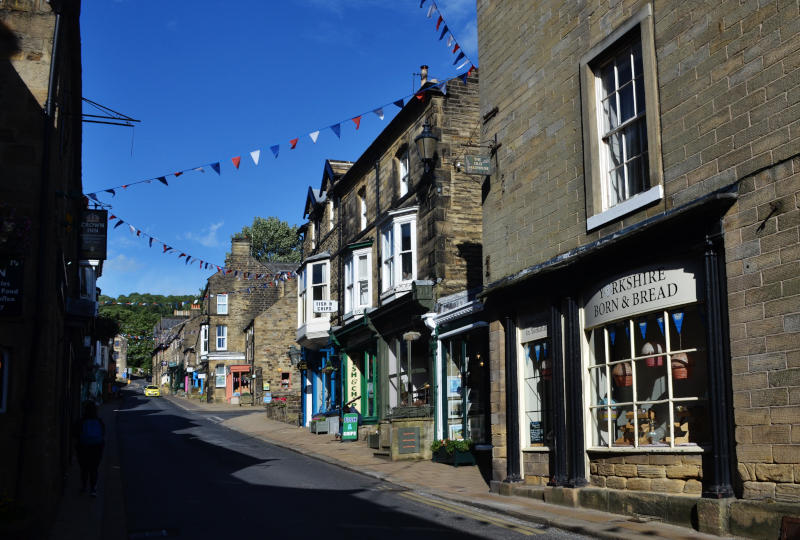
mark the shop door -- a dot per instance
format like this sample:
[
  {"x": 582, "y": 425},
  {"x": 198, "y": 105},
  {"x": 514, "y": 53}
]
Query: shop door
[{"x": 369, "y": 391}]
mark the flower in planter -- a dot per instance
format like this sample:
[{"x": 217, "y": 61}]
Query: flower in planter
[{"x": 451, "y": 445}]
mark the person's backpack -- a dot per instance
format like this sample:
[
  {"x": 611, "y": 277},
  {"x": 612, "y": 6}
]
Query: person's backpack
[{"x": 91, "y": 432}]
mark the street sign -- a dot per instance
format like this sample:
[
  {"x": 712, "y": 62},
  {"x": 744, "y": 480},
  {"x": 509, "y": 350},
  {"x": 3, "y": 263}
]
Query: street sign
[
  {"x": 478, "y": 165},
  {"x": 267, "y": 397},
  {"x": 326, "y": 306},
  {"x": 350, "y": 427}
]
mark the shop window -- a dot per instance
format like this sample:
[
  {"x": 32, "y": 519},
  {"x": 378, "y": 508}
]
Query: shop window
[
  {"x": 621, "y": 132},
  {"x": 222, "y": 304},
  {"x": 357, "y": 275},
  {"x": 318, "y": 272},
  {"x": 286, "y": 380},
  {"x": 648, "y": 380},
  {"x": 222, "y": 337},
  {"x": 219, "y": 376},
  {"x": 537, "y": 378}
]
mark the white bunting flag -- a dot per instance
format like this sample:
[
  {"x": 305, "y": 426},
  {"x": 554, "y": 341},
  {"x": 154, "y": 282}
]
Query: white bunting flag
[
  {"x": 379, "y": 112},
  {"x": 463, "y": 64},
  {"x": 314, "y": 136},
  {"x": 450, "y": 41},
  {"x": 431, "y": 10},
  {"x": 255, "y": 154}
]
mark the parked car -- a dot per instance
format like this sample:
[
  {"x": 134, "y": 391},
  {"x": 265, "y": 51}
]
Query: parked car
[{"x": 151, "y": 390}]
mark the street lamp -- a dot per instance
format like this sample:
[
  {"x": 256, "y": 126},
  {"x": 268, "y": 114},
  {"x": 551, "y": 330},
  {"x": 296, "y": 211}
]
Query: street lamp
[
  {"x": 426, "y": 145},
  {"x": 294, "y": 354}
]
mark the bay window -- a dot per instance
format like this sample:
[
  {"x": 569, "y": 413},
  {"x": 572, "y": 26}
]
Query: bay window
[
  {"x": 204, "y": 339},
  {"x": 357, "y": 275},
  {"x": 399, "y": 253},
  {"x": 312, "y": 284}
]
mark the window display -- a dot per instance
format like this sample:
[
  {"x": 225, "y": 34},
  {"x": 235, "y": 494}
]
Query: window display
[{"x": 648, "y": 380}]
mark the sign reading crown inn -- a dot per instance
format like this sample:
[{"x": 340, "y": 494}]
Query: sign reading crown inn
[{"x": 640, "y": 291}]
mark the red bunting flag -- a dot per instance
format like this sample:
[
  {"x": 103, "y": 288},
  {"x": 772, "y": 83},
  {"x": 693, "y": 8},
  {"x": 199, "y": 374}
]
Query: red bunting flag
[
  {"x": 439, "y": 21},
  {"x": 112, "y": 217},
  {"x": 182, "y": 255},
  {"x": 456, "y": 47},
  {"x": 357, "y": 122},
  {"x": 420, "y": 96},
  {"x": 293, "y": 143},
  {"x": 236, "y": 160},
  {"x": 125, "y": 186}
]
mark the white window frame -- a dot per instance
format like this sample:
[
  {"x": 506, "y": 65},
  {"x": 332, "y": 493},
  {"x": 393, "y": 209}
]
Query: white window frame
[
  {"x": 305, "y": 291},
  {"x": 330, "y": 215},
  {"x": 204, "y": 339},
  {"x": 222, "y": 304},
  {"x": 355, "y": 284},
  {"x": 601, "y": 209},
  {"x": 220, "y": 371},
  {"x": 222, "y": 337},
  {"x": 526, "y": 340},
  {"x": 403, "y": 174},
  {"x": 362, "y": 209},
  {"x": 391, "y": 253}
]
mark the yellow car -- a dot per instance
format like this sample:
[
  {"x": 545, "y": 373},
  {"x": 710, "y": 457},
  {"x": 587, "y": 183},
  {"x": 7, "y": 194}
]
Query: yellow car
[{"x": 152, "y": 390}]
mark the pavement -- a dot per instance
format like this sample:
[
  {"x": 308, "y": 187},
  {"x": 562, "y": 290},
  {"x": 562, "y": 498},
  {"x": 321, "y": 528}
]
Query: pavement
[{"x": 83, "y": 517}]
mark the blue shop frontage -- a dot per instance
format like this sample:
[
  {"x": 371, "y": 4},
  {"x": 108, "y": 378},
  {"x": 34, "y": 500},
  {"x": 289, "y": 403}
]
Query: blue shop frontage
[{"x": 320, "y": 381}]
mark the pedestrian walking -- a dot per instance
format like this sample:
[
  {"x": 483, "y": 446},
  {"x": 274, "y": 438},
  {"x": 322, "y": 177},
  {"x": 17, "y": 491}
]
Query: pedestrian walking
[{"x": 91, "y": 437}]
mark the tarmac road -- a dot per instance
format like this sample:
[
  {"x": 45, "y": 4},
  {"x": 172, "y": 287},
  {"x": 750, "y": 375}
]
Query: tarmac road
[{"x": 186, "y": 476}]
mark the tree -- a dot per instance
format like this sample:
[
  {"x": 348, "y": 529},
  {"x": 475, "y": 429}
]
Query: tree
[{"x": 272, "y": 240}]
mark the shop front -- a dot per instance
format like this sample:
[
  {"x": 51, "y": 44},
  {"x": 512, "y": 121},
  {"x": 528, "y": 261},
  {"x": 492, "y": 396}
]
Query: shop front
[
  {"x": 360, "y": 385},
  {"x": 616, "y": 365},
  {"x": 237, "y": 384}
]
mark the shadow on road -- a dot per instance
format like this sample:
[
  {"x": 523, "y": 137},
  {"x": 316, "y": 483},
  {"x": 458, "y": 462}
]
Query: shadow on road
[{"x": 185, "y": 478}]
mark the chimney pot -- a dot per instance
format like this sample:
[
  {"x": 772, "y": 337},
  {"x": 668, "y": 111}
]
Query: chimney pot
[{"x": 423, "y": 75}]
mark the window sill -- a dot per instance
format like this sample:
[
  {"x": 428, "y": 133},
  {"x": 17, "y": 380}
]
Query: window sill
[
  {"x": 638, "y": 201},
  {"x": 533, "y": 449},
  {"x": 647, "y": 449}
]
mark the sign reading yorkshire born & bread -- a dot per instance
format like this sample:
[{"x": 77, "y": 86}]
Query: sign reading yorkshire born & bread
[{"x": 641, "y": 291}]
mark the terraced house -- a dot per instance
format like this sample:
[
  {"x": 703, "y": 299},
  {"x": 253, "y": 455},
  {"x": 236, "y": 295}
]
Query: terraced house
[
  {"x": 387, "y": 236},
  {"x": 640, "y": 237}
]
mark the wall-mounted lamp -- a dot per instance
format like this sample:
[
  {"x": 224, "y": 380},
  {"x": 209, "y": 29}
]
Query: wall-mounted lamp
[
  {"x": 294, "y": 354},
  {"x": 426, "y": 145}
]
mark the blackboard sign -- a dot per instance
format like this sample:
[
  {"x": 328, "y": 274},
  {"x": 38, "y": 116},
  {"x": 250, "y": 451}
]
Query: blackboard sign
[
  {"x": 408, "y": 440},
  {"x": 537, "y": 437},
  {"x": 350, "y": 427},
  {"x": 11, "y": 278}
]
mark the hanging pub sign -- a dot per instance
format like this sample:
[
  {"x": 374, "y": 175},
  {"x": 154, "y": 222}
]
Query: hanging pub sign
[
  {"x": 94, "y": 229},
  {"x": 478, "y": 165},
  {"x": 11, "y": 278},
  {"x": 640, "y": 291},
  {"x": 326, "y": 306}
]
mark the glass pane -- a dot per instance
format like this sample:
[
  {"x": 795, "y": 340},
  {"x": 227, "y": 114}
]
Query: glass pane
[
  {"x": 632, "y": 137},
  {"x": 686, "y": 328},
  {"x": 616, "y": 186},
  {"x": 362, "y": 267},
  {"x": 405, "y": 237},
  {"x": 608, "y": 79},
  {"x": 619, "y": 344},
  {"x": 635, "y": 180},
  {"x": 624, "y": 68},
  {"x": 318, "y": 274},
  {"x": 610, "y": 117},
  {"x": 615, "y": 150},
  {"x": 624, "y": 429},
  {"x": 638, "y": 85},
  {"x": 598, "y": 418},
  {"x": 319, "y": 292},
  {"x": 597, "y": 346},
  {"x": 406, "y": 260},
  {"x": 363, "y": 298},
  {"x": 627, "y": 110},
  {"x": 691, "y": 424},
  {"x": 689, "y": 374}
]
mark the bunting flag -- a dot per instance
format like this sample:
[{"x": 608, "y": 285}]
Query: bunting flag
[
  {"x": 120, "y": 222},
  {"x": 458, "y": 58},
  {"x": 456, "y": 48},
  {"x": 438, "y": 22},
  {"x": 151, "y": 242},
  {"x": 677, "y": 318},
  {"x": 538, "y": 349},
  {"x": 314, "y": 135},
  {"x": 421, "y": 2},
  {"x": 660, "y": 322},
  {"x": 643, "y": 329},
  {"x": 444, "y": 32},
  {"x": 431, "y": 10},
  {"x": 612, "y": 334},
  {"x": 451, "y": 40}
]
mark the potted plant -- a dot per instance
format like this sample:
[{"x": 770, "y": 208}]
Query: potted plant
[{"x": 453, "y": 451}]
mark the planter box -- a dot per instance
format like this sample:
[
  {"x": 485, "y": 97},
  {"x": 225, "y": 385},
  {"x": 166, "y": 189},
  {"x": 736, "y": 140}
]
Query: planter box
[{"x": 455, "y": 459}]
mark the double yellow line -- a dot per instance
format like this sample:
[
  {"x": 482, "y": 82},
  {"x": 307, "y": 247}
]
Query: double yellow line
[{"x": 436, "y": 503}]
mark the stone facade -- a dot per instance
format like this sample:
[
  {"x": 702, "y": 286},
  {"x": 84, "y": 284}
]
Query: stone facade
[
  {"x": 42, "y": 329},
  {"x": 723, "y": 119}
]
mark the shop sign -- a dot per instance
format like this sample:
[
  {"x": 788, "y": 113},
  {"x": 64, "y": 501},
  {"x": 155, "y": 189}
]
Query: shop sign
[
  {"x": 353, "y": 382},
  {"x": 478, "y": 165},
  {"x": 302, "y": 365},
  {"x": 350, "y": 427},
  {"x": 11, "y": 278},
  {"x": 531, "y": 329},
  {"x": 163, "y": 363},
  {"x": 267, "y": 397},
  {"x": 94, "y": 224},
  {"x": 201, "y": 375},
  {"x": 326, "y": 306},
  {"x": 537, "y": 436},
  {"x": 408, "y": 440},
  {"x": 641, "y": 291}
]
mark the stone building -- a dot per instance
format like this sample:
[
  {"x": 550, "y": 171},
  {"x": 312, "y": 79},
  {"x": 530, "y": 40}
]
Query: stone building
[
  {"x": 641, "y": 256},
  {"x": 45, "y": 313},
  {"x": 398, "y": 234},
  {"x": 234, "y": 296}
]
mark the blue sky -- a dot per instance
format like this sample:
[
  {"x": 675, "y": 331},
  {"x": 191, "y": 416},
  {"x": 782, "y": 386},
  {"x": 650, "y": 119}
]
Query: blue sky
[{"x": 213, "y": 80}]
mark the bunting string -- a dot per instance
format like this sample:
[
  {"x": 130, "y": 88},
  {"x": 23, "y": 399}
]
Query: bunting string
[
  {"x": 203, "y": 264},
  {"x": 255, "y": 155},
  {"x": 434, "y": 12}
]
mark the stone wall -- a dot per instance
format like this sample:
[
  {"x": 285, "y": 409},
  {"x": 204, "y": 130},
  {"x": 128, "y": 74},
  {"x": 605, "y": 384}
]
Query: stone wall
[
  {"x": 667, "y": 473},
  {"x": 536, "y": 466},
  {"x": 274, "y": 331}
]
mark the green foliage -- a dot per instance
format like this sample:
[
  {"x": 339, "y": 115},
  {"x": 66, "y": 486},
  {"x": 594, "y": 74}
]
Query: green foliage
[
  {"x": 139, "y": 320},
  {"x": 451, "y": 445},
  {"x": 272, "y": 240}
]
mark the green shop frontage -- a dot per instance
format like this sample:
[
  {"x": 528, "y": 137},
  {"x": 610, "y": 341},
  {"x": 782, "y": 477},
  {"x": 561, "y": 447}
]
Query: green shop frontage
[{"x": 387, "y": 362}]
